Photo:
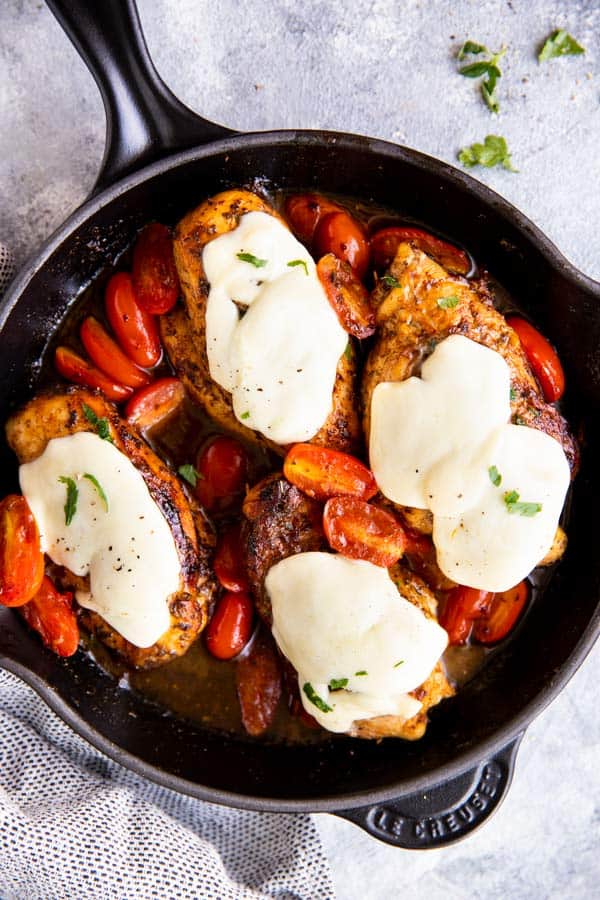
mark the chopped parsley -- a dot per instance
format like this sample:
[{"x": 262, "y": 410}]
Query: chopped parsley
[
  {"x": 399, "y": 663},
  {"x": 337, "y": 684},
  {"x": 488, "y": 68},
  {"x": 245, "y": 415},
  {"x": 559, "y": 44},
  {"x": 513, "y": 395},
  {"x": 299, "y": 262},
  {"x": 99, "y": 489},
  {"x": 495, "y": 476},
  {"x": 190, "y": 474},
  {"x": 362, "y": 672},
  {"x": 70, "y": 506},
  {"x": 493, "y": 152},
  {"x": 349, "y": 352},
  {"x": 518, "y": 507},
  {"x": 101, "y": 425},
  {"x": 253, "y": 260},
  {"x": 448, "y": 302},
  {"x": 315, "y": 699},
  {"x": 471, "y": 48},
  {"x": 519, "y": 420},
  {"x": 391, "y": 281}
]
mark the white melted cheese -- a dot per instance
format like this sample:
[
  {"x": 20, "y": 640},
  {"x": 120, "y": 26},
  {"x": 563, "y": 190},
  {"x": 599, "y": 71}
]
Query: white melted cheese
[
  {"x": 433, "y": 441},
  {"x": 279, "y": 359},
  {"x": 128, "y": 551},
  {"x": 334, "y": 617}
]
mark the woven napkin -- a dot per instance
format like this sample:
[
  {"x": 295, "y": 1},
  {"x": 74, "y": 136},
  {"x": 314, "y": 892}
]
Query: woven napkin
[{"x": 76, "y": 826}]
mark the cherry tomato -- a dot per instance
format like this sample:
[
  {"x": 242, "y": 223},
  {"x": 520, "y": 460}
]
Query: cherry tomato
[
  {"x": 155, "y": 402},
  {"x": 230, "y": 628},
  {"x": 108, "y": 356},
  {"x": 502, "y": 615},
  {"x": 360, "y": 530},
  {"x": 21, "y": 559},
  {"x": 542, "y": 358},
  {"x": 323, "y": 473},
  {"x": 258, "y": 681},
  {"x": 384, "y": 245},
  {"x": 136, "y": 329},
  {"x": 347, "y": 295},
  {"x": 222, "y": 464},
  {"x": 340, "y": 234},
  {"x": 304, "y": 212},
  {"x": 51, "y": 614},
  {"x": 229, "y": 563},
  {"x": 78, "y": 370},
  {"x": 462, "y": 606},
  {"x": 154, "y": 275}
]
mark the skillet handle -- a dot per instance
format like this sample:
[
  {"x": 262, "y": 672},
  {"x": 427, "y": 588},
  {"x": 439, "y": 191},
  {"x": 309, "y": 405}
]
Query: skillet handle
[
  {"x": 144, "y": 120},
  {"x": 443, "y": 814}
]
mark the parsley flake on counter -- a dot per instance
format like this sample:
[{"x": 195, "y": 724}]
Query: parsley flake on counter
[
  {"x": 315, "y": 699},
  {"x": 447, "y": 302},
  {"x": 391, "y": 281},
  {"x": 399, "y": 663},
  {"x": 72, "y": 495},
  {"x": 337, "y": 684},
  {"x": 560, "y": 44},
  {"x": 495, "y": 476},
  {"x": 245, "y": 415},
  {"x": 362, "y": 672},
  {"x": 101, "y": 425},
  {"x": 493, "y": 152},
  {"x": 519, "y": 507},
  {"x": 99, "y": 490},
  {"x": 488, "y": 68},
  {"x": 190, "y": 474},
  {"x": 253, "y": 260},
  {"x": 471, "y": 48},
  {"x": 299, "y": 262}
]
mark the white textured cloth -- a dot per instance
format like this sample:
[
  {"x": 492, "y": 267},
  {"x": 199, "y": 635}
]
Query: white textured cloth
[{"x": 75, "y": 825}]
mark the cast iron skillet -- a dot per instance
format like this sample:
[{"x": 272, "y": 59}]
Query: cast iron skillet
[{"x": 160, "y": 160}]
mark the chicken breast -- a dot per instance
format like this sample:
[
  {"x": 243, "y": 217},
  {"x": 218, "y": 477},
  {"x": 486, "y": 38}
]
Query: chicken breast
[
  {"x": 184, "y": 330},
  {"x": 62, "y": 413},
  {"x": 282, "y": 521}
]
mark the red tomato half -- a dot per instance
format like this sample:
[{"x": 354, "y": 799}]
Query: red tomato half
[
  {"x": 542, "y": 358},
  {"x": 21, "y": 559},
  {"x": 78, "y": 370},
  {"x": 135, "y": 329},
  {"x": 155, "y": 402},
  {"x": 230, "y": 628},
  {"x": 502, "y": 615},
  {"x": 463, "y": 605},
  {"x": 305, "y": 211},
  {"x": 385, "y": 243},
  {"x": 340, "y": 234},
  {"x": 108, "y": 356},
  {"x": 154, "y": 275},
  {"x": 360, "y": 530},
  {"x": 347, "y": 295},
  {"x": 323, "y": 473},
  {"x": 230, "y": 561},
  {"x": 222, "y": 464},
  {"x": 51, "y": 614}
]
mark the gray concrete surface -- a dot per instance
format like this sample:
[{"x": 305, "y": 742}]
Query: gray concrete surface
[{"x": 384, "y": 68}]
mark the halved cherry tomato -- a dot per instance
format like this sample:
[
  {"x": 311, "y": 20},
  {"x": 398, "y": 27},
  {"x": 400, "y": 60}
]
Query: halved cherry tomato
[
  {"x": 340, "y": 234},
  {"x": 304, "y": 212},
  {"x": 384, "y": 245},
  {"x": 258, "y": 681},
  {"x": 51, "y": 614},
  {"x": 348, "y": 296},
  {"x": 502, "y": 615},
  {"x": 21, "y": 559},
  {"x": 229, "y": 562},
  {"x": 136, "y": 329},
  {"x": 223, "y": 465},
  {"x": 230, "y": 628},
  {"x": 108, "y": 356},
  {"x": 323, "y": 473},
  {"x": 155, "y": 402},
  {"x": 154, "y": 275},
  {"x": 542, "y": 358},
  {"x": 462, "y": 606},
  {"x": 78, "y": 370},
  {"x": 360, "y": 530}
]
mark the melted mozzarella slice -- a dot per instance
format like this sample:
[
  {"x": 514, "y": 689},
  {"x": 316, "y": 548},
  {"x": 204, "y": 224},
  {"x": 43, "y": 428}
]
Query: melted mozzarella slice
[
  {"x": 335, "y": 618},
  {"x": 433, "y": 438},
  {"x": 128, "y": 550},
  {"x": 272, "y": 338},
  {"x": 488, "y": 546}
]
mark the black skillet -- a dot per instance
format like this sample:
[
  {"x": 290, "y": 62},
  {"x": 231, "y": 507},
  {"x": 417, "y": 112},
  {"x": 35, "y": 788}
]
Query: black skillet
[{"x": 160, "y": 160}]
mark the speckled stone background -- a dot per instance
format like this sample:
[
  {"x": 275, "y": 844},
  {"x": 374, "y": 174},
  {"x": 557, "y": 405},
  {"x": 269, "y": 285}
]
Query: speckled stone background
[{"x": 384, "y": 68}]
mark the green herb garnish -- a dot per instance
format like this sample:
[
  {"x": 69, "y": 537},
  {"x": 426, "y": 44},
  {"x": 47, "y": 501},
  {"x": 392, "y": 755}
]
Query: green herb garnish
[
  {"x": 101, "y": 425},
  {"x": 518, "y": 507},
  {"x": 470, "y": 47},
  {"x": 488, "y": 68},
  {"x": 493, "y": 152},
  {"x": 495, "y": 476},
  {"x": 337, "y": 684},
  {"x": 362, "y": 672},
  {"x": 298, "y": 262},
  {"x": 349, "y": 352},
  {"x": 512, "y": 394},
  {"x": 315, "y": 699},
  {"x": 70, "y": 506},
  {"x": 559, "y": 44},
  {"x": 190, "y": 474},
  {"x": 399, "y": 663},
  {"x": 519, "y": 420},
  {"x": 99, "y": 489},
  {"x": 391, "y": 281},
  {"x": 253, "y": 260},
  {"x": 447, "y": 302},
  {"x": 245, "y": 415}
]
